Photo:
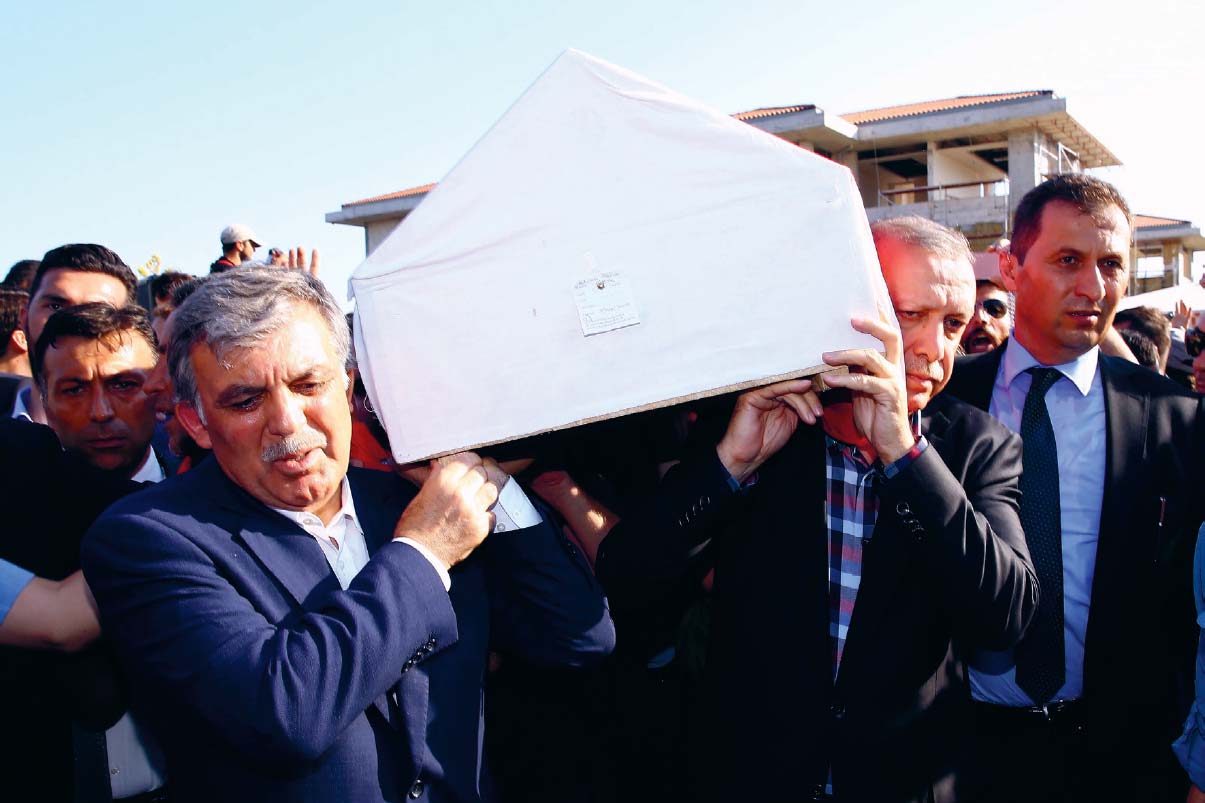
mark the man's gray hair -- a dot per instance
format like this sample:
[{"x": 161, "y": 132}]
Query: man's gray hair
[
  {"x": 925, "y": 235},
  {"x": 242, "y": 308}
]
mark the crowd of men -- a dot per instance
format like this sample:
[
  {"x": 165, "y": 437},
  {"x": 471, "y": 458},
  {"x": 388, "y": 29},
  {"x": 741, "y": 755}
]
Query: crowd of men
[{"x": 928, "y": 578}]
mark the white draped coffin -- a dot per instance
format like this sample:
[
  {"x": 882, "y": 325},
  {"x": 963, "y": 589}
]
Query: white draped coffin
[{"x": 608, "y": 246}]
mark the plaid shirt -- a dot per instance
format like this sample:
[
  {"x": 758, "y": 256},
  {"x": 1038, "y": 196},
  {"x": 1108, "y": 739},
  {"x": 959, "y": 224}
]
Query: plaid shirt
[{"x": 851, "y": 509}]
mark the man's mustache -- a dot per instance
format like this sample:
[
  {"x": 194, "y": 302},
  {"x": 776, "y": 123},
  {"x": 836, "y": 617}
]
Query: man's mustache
[
  {"x": 928, "y": 370},
  {"x": 293, "y": 445}
]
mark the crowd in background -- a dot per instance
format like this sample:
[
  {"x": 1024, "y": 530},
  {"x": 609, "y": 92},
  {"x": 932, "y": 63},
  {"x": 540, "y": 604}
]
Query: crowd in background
[{"x": 242, "y": 629}]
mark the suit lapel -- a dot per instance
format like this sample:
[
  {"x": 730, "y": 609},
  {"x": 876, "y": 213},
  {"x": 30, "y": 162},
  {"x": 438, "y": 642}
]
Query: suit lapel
[
  {"x": 974, "y": 377},
  {"x": 377, "y": 511},
  {"x": 377, "y": 506},
  {"x": 1119, "y": 544},
  {"x": 287, "y": 552}
]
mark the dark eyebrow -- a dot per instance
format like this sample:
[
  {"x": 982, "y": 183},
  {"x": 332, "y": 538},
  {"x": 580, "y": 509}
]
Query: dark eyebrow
[
  {"x": 54, "y": 298},
  {"x": 235, "y": 392},
  {"x": 126, "y": 375}
]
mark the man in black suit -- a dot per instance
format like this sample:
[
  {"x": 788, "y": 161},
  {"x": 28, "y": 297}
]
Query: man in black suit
[
  {"x": 1089, "y": 702},
  {"x": 854, "y": 561},
  {"x": 49, "y": 497}
]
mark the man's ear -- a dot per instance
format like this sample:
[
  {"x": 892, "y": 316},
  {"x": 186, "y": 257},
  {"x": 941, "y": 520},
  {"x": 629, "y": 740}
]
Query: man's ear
[
  {"x": 351, "y": 389},
  {"x": 1008, "y": 270},
  {"x": 18, "y": 341},
  {"x": 187, "y": 415}
]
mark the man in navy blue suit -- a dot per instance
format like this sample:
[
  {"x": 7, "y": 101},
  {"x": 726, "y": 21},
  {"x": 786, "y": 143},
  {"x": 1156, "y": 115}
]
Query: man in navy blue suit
[{"x": 298, "y": 631}]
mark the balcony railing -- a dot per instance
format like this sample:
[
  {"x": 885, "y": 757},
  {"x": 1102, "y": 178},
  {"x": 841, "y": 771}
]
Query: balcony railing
[{"x": 940, "y": 192}]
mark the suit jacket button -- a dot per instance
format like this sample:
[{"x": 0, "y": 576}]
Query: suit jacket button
[
  {"x": 903, "y": 509},
  {"x": 838, "y": 711},
  {"x": 416, "y": 791}
]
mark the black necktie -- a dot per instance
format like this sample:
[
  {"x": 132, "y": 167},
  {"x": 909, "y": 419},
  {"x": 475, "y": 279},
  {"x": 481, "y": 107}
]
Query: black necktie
[{"x": 1040, "y": 657}]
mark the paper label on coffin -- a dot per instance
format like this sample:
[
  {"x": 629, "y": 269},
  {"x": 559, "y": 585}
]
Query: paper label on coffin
[{"x": 737, "y": 258}]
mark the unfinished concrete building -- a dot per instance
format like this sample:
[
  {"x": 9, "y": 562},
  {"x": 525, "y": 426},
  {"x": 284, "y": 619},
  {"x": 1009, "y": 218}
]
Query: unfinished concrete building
[{"x": 964, "y": 162}]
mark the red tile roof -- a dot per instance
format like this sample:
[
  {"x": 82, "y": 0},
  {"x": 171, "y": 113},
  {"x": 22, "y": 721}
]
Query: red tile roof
[
  {"x": 912, "y": 109},
  {"x": 1150, "y": 221},
  {"x": 392, "y": 195},
  {"x": 771, "y": 111}
]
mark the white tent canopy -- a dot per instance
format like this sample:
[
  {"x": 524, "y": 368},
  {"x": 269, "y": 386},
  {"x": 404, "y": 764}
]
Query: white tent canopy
[{"x": 609, "y": 245}]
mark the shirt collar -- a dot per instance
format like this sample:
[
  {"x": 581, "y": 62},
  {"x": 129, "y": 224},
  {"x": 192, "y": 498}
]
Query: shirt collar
[
  {"x": 836, "y": 447},
  {"x": 1081, "y": 371},
  {"x": 150, "y": 471},
  {"x": 21, "y": 404},
  {"x": 348, "y": 511}
]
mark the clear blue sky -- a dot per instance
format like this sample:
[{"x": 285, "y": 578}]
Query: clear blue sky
[{"x": 150, "y": 126}]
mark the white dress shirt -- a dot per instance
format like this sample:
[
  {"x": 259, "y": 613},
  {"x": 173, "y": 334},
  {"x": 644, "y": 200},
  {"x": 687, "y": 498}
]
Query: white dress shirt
[
  {"x": 150, "y": 471},
  {"x": 1076, "y": 404},
  {"x": 136, "y": 763},
  {"x": 343, "y": 543}
]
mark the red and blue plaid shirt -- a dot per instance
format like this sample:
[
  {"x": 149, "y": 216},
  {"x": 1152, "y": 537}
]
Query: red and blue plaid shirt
[{"x": 851, "y": 508}]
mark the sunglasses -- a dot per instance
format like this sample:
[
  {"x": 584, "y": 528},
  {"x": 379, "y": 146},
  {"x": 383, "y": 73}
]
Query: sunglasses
[
  {"x": 993, "y": 307},
  {"x": 1194, "y": 342}
]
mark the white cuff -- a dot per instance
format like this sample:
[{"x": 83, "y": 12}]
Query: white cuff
[
  {"x": 513, "y": 510},
  {"x": 435, "y": 562}
]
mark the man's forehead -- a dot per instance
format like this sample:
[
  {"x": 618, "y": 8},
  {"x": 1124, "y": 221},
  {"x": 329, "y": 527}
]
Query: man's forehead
[
  {"x": 1109, "y": 221},
  {"x": 106, "y": 356},
  {"x": 82, "y": 286},
  {"x": 300, "y": 348},
  {"x": 918, "y": 273}
]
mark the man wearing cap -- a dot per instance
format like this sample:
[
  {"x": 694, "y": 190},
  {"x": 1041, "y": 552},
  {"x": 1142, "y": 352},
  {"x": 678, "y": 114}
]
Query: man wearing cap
[{"x": 238, "y": 246}]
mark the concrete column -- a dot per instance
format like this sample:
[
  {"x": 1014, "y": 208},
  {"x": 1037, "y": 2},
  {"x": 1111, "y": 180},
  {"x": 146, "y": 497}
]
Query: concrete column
[
  {"x": 931, "y": 178},
  {"x": 1024, "y": 172},
  {"x": 849, "y": 158},
  {"x": 1171, "y": 262}
]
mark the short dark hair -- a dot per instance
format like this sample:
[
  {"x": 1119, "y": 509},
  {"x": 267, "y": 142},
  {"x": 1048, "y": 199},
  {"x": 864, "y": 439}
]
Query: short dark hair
[
  {"x": 86, "y": 258},
  {"x": 1089, "y": 195},
  {"x": 1145, "y": 350},
  {"x": 164, "y": 284},
  {"x": 20, "y": 275},
  {"x": 186, "y": 289},
  {"x": 12, "y": 301},
  {"x": 94, "y": 321},
  {"x": 1150, "y": 322}
]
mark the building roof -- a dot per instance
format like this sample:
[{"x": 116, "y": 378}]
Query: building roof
[
  {"x": 930, "y": 106},
  {"x": 1150, "y": 221},
  {"x": 390, "y": 196},
  {"x": 773, "y": 111},
  {"x": 1054, "y": 121}
]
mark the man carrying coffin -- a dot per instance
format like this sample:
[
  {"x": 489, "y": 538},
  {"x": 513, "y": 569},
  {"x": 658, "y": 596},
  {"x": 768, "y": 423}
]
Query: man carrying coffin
[
  {"x": 856, "y": 562},
  {"x": 298, "y": 631}
]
